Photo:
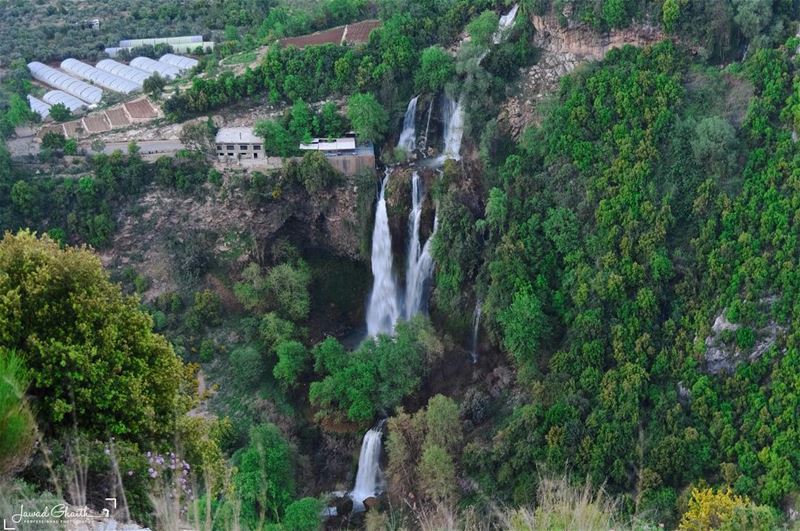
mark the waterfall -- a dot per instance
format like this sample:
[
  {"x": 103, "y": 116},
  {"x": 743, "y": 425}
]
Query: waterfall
[
  {"x": 369, "y": 479},
  {"x": 420, "y": 262},
  {"x": 408, "y": 137},
  {"x": 453, "y": 116},
  {"x": 476, "y": 323},
  {"x": 427, "y": 125},
  {"x": 418, "y": 276},
  {"x": 383, "y": 310},
  {"x": 506, "y": 21}
]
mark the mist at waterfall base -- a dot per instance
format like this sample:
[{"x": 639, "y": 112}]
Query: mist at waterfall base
[{"x": 369, "y": 479}]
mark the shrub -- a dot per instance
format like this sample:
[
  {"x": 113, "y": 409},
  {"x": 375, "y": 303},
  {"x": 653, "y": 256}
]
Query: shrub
[
  {"x": 292, "y": 361},
  {"x": 248, "y": 366}
]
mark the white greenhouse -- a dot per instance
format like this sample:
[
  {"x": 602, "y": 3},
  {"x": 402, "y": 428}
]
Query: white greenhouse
[
  {"x": 178, "y": 61},
  {"x": 186, "y": 39},
  {"x": 59, "y": 80},
  {"x": 152, "y": 66},
  {"x": 68, "y": 100},
  {"x": 38, "y": 106},
  {"x": 99, "y": 77},
  {"x": 124, "y": 71},
  {"x": 191, "y": 47}
]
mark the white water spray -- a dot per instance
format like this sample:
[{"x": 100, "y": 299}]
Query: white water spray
[
  {"x": 506, "y": 21},
  {"x": 384, "y": 308},
  {"x": 408, "y": 137},
  {"x": 453, "y": 116},
  {"x": 476, "y": 324},
  {"x": 369, "y": 478},
  {"x": 419, "y": 266}
]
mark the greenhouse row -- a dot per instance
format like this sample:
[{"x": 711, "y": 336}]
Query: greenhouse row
[
  {"x": 186, "y": 39},
  {"x": 152, "y": 66},
  {"x": 38, "y": 106},
  {"x": 59, "y": 80},
  {"x": 67, "y": 100},
  {"x": 122, "y": 70},
  {"x": 99, "y": 77},
  {"x": 180, "y": 62}
]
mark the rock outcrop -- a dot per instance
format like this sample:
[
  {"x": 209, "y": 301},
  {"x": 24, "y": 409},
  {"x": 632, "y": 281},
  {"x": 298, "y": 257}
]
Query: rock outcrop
[
  {"x": 723, "y": 353},
  {"x": 563, "y": 48},
  {"x": 160, "y": 223}
]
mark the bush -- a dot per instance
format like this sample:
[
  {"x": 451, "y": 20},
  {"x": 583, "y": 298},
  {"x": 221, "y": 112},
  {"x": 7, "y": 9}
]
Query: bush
[
  {"x": 17, "y": 425},
  {"x": 287, "y": 286},
  {"x": 303, "y": 515},
  {"x": 292, "y": 362},
  {"x": 248, "y": 365},
  {"x": 207, "y": 350}
]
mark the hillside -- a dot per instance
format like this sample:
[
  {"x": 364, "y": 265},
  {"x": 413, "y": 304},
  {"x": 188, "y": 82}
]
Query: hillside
[{"x": 563, "y": 298}]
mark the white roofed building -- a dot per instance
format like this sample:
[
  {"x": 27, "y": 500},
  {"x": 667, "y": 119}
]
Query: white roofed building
[
  {"x": 64, "y": 82},
  {"x": 178, "y": 61},
  {"x": 152, "y": 66},
  {"x": 38, "y": 106},
  {"x": 69, "y": 101},
  {"x": 238, "y": 143}
]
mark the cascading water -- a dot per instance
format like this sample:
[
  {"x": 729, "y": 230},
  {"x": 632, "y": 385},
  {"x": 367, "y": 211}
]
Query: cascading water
[
  {"x": 408, "y": 137},
  {"x": 476, "y": 324},
  {"x": 420, "y": 261},
  {"x": 506, "y": 21},
  {"x": 369, "y": 478},
  {"x": 453, "y": 114},
  {"x": 417, "y": 282},
  {"x": 384, "y": 308}
]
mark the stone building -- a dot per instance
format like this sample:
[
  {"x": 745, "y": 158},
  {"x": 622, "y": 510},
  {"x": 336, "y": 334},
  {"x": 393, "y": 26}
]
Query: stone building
[
  {"x": 241, "y": 145},
  {"x": 238, "y": 143}
]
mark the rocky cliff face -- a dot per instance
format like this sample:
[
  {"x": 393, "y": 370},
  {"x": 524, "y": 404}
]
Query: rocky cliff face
[
  {"x": 232, "y": 227},
  {"x": 563, "y": 48}
]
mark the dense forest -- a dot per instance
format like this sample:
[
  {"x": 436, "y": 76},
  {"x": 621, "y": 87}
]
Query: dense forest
[{"x": 605, "y": 338}]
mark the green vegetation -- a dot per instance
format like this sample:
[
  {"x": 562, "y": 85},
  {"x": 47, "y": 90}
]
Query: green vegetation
[
  {"x": 633, "y": 250},
  {"x": 77, "y": 333}
]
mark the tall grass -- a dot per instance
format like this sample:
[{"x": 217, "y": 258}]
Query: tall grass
[{"x": 17, "y": 425}]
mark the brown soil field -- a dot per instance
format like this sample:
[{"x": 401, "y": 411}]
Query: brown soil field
[
  {"x": 141, "y": 109},
  {"x": 117, "y": 117},
  {"x": 96, "y": 123}
]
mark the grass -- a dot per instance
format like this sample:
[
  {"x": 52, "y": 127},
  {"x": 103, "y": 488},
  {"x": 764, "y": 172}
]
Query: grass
[{"x": 241, "y": 58}]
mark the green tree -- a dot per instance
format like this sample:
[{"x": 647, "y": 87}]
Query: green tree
[
  {"x": 264, "y": 480},
  {"x": 437, "y": 67},
  {"x": 19, "y": 112},
  {"x": 277, "y": 139},
  {"x": 714, "y": 145},
  {"x": 368, "y": 117},
  {"x": 93, "y": 359},
  {"x": 60, "y": 113},
  {"x": 301, "y": 121},
  {"x": 52, "y": 140},
  {"x": 303, "y": 515},
  {"x": 437, "y": 475},
  {"x": 329, "y": 123},
  {"x": 153, "y": 85},
  {"x": 443, "y": 424},
  {"x": 287, "y": 286},
  {"x": 483, "y": 27},
  {"x": 292, "y": 362}
]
